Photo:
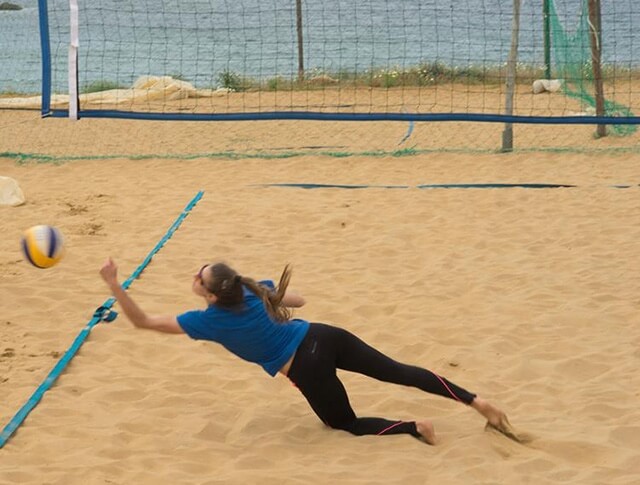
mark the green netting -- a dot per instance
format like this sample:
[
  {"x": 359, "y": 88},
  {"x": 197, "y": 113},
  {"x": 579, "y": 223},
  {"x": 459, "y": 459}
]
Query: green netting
[{"x": 572, "y": 52}]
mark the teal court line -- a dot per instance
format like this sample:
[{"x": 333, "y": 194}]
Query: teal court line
[{"x": 103, "y": 313}]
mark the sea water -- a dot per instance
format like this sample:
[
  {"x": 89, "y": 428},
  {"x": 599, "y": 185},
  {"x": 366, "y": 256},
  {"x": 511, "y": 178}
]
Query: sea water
[{"x": 199, "y": 40}]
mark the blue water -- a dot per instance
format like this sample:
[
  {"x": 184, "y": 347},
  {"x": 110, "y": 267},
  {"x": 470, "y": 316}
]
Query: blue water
[{"x": 199, "y": 39}]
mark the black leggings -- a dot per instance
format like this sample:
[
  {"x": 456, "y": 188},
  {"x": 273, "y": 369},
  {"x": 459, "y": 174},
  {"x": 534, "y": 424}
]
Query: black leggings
[{"x": 326, "y": 348}]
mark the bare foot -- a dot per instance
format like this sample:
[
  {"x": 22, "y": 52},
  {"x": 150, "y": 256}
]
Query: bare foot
[
  {"x": 496, "y": 419},
  {"x": 425, "y": 428}
]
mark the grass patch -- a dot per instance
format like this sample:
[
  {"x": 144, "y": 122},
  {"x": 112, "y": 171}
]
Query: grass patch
[
  {"x": 98, "y": 86},
  {"x": 29, "y": 158},
  {"x": 424, "y": 74},
  {"x": 234, "y": 81}
]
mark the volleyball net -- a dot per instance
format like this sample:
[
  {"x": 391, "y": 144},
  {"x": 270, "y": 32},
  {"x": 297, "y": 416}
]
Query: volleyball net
[{"x": 546, "y": 61}]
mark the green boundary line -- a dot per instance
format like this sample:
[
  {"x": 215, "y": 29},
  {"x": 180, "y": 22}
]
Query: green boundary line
[{"x": 26, "y": 158}]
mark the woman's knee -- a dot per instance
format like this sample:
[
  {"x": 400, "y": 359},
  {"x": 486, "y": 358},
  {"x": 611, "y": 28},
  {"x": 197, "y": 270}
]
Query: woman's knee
[{"x": 342, "y": 424}]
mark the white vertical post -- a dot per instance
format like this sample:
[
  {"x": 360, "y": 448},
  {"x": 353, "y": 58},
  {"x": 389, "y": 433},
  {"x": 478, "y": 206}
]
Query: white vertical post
[{"x": 73, "y": 59}]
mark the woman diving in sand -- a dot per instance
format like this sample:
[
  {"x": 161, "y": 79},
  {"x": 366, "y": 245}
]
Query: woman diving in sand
[{"x": 253, "y": 321}]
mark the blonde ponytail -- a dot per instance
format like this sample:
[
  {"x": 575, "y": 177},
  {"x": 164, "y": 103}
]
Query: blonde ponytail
[{"x": 272, "y": 299}]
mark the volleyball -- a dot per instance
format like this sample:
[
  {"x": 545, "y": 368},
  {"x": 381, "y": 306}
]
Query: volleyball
[{"x": 43, "y": 246}]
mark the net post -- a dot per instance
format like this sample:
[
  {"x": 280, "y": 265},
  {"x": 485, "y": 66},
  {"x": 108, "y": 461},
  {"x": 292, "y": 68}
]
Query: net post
[
  {"x": 74, "y": 35},
  {"x": 595, "y": 36},
  {"x": 300, "y": 40},
  {"x": 45, "y": 46},
  {"x": 547, "y": 38},
  {"x": 507, "y": 134}
]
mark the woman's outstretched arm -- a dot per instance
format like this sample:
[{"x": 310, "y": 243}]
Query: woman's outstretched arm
[{"x": 159, "y": 323}]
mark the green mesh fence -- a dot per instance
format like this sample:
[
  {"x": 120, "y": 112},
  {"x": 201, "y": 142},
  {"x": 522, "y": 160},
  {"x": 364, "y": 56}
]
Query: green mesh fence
[{"x": 574, "y": 65}]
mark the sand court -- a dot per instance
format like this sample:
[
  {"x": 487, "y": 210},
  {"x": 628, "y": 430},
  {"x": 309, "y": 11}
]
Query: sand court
[{"x": 528, "y": 297}]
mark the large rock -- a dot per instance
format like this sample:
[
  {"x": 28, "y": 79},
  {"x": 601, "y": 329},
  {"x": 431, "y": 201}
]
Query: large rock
[
  {"x": 547, "y": 85},
  {"x": 10, "y": 192},
  {"x": 9, "y": 6},
  {"x": 164, "y": 87}
]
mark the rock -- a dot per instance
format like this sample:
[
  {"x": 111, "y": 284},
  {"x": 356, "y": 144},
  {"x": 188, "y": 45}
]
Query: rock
[
  {"x": 9, "y": 6},
  {"x": 322, "y": 80},
  {"x": 546, "y": 85},
  {"x": 10, "y": 192},
  {"x": 166, "y": 87}
]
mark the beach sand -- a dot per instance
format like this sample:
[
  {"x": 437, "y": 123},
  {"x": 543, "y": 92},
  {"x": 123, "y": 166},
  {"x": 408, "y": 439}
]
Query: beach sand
[{"x": 527, "y": 297}]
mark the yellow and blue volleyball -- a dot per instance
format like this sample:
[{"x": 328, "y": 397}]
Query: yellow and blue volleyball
[{"x": 43, "y": 246}]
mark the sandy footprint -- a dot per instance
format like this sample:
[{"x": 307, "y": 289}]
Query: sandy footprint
[
  {"x": 506, "y": 429},
  {"x": 626, "y": 436},
  {"x": 576, "y": 452},
  {"x": 212, "y": 432}
]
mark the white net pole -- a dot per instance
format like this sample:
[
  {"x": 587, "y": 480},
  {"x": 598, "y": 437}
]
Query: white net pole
[{"x": 73, "y": 60}]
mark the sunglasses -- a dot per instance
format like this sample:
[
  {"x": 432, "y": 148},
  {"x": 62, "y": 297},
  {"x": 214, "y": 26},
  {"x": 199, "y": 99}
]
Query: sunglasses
[{"x": 199, "y": 273}]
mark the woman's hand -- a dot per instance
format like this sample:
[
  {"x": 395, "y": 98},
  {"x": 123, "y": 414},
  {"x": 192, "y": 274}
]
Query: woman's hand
[
  {"x": 291, "y": 299},
  {"x": 109, "y": 272},
  {"x": 166, "y": 324}
]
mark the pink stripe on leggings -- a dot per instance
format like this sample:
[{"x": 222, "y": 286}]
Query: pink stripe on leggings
[
  {"x": 447, "y": 387},
  {"x": 390, "y": 427}
]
